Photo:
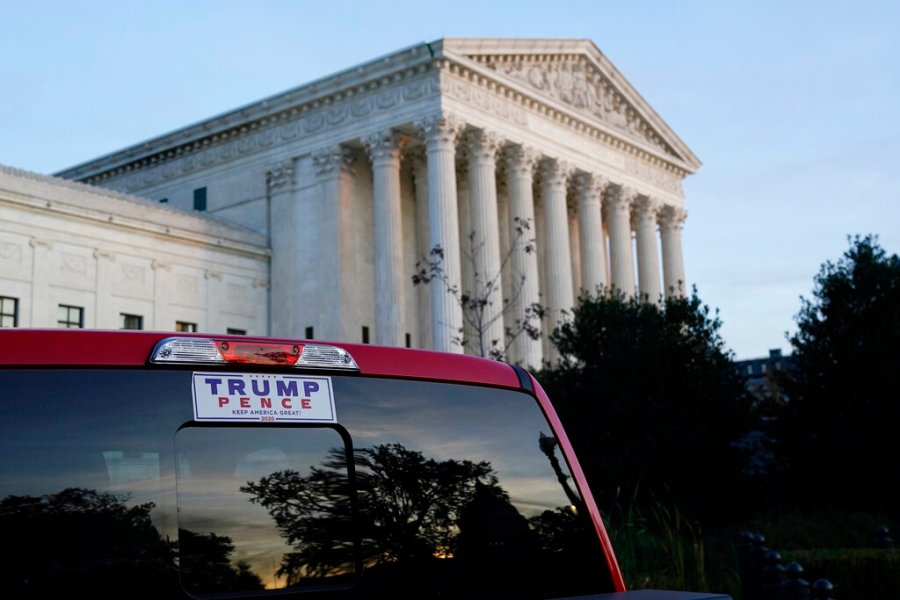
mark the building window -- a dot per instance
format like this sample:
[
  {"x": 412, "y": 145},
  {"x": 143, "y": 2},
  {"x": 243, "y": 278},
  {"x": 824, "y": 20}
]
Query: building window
[
  {"x": 365, "y": 335},
  {"x": 200, "y": 199},
  {"x": 309, "y": 333},
  {"x": 233, "y": 331},
  {"x": 70, "y": 317},
  {"x": 185, "y": 327},
  {"x": 9, "y": 312},
  {"x": 163, "y": 200},
  {"x": 408, "y": 341},
  {"x": 127, "y": 321}
]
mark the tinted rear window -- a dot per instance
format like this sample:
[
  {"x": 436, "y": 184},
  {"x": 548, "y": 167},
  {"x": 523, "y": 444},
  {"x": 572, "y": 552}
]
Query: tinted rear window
[{"x": 107, "y": 484}]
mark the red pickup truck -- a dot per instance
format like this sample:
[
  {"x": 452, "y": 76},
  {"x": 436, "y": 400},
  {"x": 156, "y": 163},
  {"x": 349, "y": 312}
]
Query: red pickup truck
[{"x": 159, "y": 465}]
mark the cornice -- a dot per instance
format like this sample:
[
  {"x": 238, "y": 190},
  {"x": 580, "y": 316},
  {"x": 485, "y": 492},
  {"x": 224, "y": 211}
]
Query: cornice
[{"x": 93, "y": 205}]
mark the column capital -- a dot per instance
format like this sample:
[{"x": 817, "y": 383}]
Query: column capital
[
  {"x": 590, "y": 187},
  {"x": 671, "y": 218},
  {"x": 36, "y": 242},
  {"x": 521, "y": 160},
  {"x": 415, "y": 156},
  {"x": 385, "y": 145},
  {"x": 645, "y": 208},
  {"x": 621, "y": 202},
  {"x": 280, "y": 174},
  {"x": 98, "y": 254},
  {"x": 482, "y": 144},
  {"x": 440, "y": 128},
  {"x": 556, "y": 172},
  {"x": 337, "y": 160}
]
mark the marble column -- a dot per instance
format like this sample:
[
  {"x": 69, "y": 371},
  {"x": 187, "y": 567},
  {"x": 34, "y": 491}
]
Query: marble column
[
  {"x": 284, "y": 222},
  {"x": 525, "y": 284},
  {"x": 671, "y": 222},
  {"x": 621, "y": 257},
  {"x": 488, "y": 309},
  {"x": 334, "y": 168},
  {"x": 440, "y": 132},
  {"x": 645, "y": 213},
  {"x": 575, "y": 250},
  {"x": 558, "y": 261},
  {"x": 466, "y": 241},
  {"x": 423, "y": 297},
  {"x": 384, "y": 151},
  {"x": 590, "y": 189}
]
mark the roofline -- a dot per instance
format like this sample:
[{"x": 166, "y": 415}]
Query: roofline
[{"x": 417, "y": 56}]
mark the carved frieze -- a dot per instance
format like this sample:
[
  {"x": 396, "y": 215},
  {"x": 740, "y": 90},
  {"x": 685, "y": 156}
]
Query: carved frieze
[
  {"x": 255, "y": 137},
  {"x": 10, "y": 252},
  {"x": 577, "y": 83},
  {"x": 658, "y": 177},
  {"x": 73, "y": 263}
]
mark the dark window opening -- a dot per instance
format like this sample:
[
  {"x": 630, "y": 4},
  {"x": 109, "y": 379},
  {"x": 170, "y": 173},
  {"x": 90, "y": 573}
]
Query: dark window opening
[
  {"x": 9, "y": 311},
  {"x": 163, "y": 200},
  {"x": 70, "y": 317},
  {"x": 309, "y": 333},
  {"x": 200, "y": 199},
  {"x": 233, "y": 331},
  {"x": 127, "y": 321},
  {"x": 408, "y": 341},
  {"x": 365, "y": 335}
]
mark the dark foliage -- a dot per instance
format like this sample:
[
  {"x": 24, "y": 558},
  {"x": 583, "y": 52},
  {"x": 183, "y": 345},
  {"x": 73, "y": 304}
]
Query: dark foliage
[
  {"x": 409, "y": 502},
  {"x": 837, "y": 430},
  {"x": 650, "y": 399}
]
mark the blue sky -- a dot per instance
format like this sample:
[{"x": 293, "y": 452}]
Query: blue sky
[{"x": 793, "y": 107}]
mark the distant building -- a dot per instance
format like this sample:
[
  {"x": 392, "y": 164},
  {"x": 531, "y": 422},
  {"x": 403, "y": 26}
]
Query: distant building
[{"x": 758, "y": 372}]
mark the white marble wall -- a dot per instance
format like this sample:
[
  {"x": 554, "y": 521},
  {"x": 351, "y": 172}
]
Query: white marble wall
[{"x": 65, "y": 243}]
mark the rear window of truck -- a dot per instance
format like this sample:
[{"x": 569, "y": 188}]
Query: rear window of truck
[{"x": 111, "y": 485}]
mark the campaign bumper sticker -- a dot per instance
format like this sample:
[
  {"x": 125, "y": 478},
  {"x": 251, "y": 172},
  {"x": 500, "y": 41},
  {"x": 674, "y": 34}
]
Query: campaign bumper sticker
[{"x": 263, "y": 397}]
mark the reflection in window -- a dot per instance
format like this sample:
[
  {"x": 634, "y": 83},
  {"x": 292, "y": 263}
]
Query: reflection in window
[{"x": 216, "y": 513}]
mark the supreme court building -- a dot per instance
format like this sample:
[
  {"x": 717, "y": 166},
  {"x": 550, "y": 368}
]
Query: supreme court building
[{"x": 350, "y": 180}]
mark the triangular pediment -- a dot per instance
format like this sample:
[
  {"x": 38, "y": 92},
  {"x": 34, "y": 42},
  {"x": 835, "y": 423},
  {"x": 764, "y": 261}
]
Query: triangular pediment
[{"x": 576, "y": 75}]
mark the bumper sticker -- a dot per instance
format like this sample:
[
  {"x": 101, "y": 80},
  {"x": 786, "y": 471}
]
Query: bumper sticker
[{"x": 263, "y": 397}]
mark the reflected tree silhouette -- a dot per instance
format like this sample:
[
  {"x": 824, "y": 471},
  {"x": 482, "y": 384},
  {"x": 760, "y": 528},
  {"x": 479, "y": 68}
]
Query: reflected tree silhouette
[
  {"x": 409, "y": 506},
  {"x": 82, "y": 538},
  {"x": 440, "y": 527},
  {"x": 206, "y": 564}
]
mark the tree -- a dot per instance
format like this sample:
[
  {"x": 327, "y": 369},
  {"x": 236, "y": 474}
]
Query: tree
[
  {"x": 480, "y": 313},
  {"x": 650, "y": 398},
  {"x": 837, "y": 431}
]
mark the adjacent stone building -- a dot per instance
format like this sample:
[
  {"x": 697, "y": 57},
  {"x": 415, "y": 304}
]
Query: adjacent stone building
[
  {"x": 72, "y": 255},
  {"x": 352, "y": 179}
]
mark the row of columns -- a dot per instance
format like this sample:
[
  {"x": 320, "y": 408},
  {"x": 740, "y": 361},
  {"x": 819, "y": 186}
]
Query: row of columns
[{"x": 602, "y": 209}]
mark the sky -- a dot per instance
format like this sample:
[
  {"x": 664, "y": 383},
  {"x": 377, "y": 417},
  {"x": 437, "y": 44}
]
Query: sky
[{"x": 793, "y": 107}]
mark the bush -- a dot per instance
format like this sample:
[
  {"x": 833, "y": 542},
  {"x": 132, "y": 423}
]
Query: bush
[{"x": 854, "y": 572}]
